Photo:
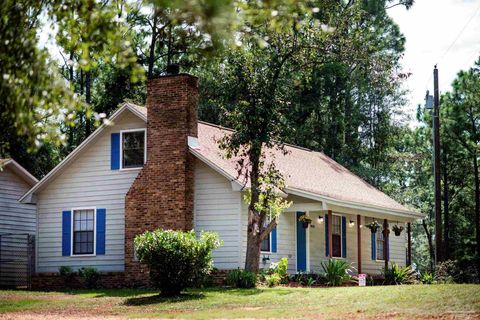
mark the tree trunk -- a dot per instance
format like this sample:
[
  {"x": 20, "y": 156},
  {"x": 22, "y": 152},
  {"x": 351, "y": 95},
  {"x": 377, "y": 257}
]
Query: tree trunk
[
  {"x": 477, "y": 201},
  {"x": 151, "y": 58},
  {"x": 252, "y": 258},
  {"x": 446, "y": 212},
  {"x": 88, "y": 99},
  {"x": 71, "y": 129},
  {"x": 431, "y": 249}
]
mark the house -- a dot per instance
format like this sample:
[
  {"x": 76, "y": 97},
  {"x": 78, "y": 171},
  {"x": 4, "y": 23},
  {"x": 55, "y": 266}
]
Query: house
[
  {"x": 15, "y": 181},
  {"x": 17, "y": 224},
  {"x": 160, "y": 167}
]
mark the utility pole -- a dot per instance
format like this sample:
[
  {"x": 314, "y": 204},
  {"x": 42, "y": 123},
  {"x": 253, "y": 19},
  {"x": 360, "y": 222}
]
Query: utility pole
[{"x": 437, "y": 169}]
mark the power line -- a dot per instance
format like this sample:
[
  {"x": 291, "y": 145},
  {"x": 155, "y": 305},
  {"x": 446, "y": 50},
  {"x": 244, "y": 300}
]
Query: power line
[
  {"x": 454, "y": 42},
  {"x": 460, "y": 33}
]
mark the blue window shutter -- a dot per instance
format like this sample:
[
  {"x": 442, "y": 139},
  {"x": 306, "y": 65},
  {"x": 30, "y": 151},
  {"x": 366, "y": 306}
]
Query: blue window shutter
[
  {"x": 66, "y": 232},
  {"x": 327, "y": 246},
  {"x": 344, "y": 237},
  {"x": 100, "y": 246},
  {"x": 374, "y": 246},
  {"x": 274, "y": 239},
  {"x": 115, "y": 151}
]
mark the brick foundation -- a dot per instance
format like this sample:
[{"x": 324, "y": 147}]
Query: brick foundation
[
  {"x": 53, "y": 281},
  {"x": 162, "y": 194}
]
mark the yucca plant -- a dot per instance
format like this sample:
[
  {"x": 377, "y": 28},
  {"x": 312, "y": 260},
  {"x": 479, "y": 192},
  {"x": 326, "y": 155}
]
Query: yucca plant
[
  {"x": 336, "y": 272},
  {"x": 398, "y": 275}
]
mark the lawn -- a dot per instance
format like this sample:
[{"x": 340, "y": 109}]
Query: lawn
[{"x": 395, "y": 302}]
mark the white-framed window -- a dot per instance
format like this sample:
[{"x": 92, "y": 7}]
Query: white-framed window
[
  {"x": 380, "y": 244},
  {"x": 83, "y": 231},
  {"x": 336, "y": 236},
  {"x": 133, "y": 148},
  {"x": 266, "y": 245}
]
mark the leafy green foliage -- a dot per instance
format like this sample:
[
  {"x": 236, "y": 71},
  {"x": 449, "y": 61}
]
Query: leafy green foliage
[
  {"x": 176, "y": 259},
  {"x": 273, "y": 279},
  {"x": 336, "y": 271},
  {"x": 427, "y": 278},
  {"x": 90, "y": 277},
  {"x": 67, "y": 274},
  {"x": 241, "y": 279},
  {"x": 394, "y": 274}
]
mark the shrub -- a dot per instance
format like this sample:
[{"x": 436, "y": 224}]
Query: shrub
[
  {"x": 241, "y": 279},
  {"x": 447, "y": 272},
  {"x": 398, "y": 275},
  {"x": 427, "y": 278},
  {"x": 464, "y": 270},
  {"x": 336, "y": 271},
  {"x": 273, "y": 279},
  {"x": 90, "y": 277},
  {"x": 67, "y": 275},
  {"x": 177, "y": 259},
  {"x": 310, "y": 281},
  {"x": 279, "y": 268}
]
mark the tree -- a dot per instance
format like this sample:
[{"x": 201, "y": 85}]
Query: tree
[{"x": 462, "y": 113}]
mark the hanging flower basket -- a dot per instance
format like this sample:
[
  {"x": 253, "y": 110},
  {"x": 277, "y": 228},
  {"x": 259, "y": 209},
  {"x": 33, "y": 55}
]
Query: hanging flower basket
[
  {"x": 397, "y": 230},
  {"x": 305, "y": 220},
  {"x": 373, "y": 226}
]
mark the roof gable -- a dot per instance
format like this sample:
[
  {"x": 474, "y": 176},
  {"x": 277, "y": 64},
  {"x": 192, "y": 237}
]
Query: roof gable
[
  {"x": 138, "y": 111},
  {"x": 19, "y": 170}
]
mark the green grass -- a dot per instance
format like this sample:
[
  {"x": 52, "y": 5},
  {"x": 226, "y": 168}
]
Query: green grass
[{"x": 399, "y": 302}]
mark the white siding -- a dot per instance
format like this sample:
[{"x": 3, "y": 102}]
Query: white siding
[
  {"x": 87, "y": 182},
  {"x": 217, "y": 208},
  {"x": 15, "y": 217},
  {"x": 286, "y": 240},
  {"x": 397, "y": 249}
]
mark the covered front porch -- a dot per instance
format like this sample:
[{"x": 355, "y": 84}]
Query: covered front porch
[{"x": 339, "y": 232}]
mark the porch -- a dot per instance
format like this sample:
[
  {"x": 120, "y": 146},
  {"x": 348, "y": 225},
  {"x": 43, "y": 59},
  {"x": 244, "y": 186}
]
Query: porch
[{"x": 337, "y": 232}]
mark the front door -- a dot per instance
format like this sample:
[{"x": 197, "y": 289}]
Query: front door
[{"x": 301, "y": 245}]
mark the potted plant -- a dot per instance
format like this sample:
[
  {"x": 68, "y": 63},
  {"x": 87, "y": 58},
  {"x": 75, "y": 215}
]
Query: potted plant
[
  {"x": 397, "y": 229},
  {"x": 305, "y": 220},
  {"x": 373, "y": 226}
]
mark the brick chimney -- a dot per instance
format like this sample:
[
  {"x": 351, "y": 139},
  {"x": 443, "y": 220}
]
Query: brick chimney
[{"x": 162, "y": 194}]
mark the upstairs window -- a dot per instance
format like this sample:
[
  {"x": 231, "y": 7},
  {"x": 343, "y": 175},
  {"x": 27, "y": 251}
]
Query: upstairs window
[{"x": 133, "y": 148}]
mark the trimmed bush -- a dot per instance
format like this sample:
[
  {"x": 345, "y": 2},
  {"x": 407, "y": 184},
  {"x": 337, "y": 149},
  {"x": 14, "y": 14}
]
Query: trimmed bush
[
  {"x": 67, "y": 275},
  {"x": 336, "y": 272},
  {"x": 398, "y": 275},
  {"x": 177, "y": 259},
  {"x": 241, "y": 279},
  {"x": 90, "y": 277}
]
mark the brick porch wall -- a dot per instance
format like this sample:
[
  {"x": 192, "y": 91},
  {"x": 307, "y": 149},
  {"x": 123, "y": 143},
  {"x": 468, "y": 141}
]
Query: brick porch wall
[{"x": 162, "y": 194}]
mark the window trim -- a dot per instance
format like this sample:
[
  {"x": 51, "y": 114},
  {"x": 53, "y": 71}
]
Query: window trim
[
  {"x": 269, "y": 244},
  {"x": 341, "y": 236},
  {"x": 144, "y": 146},
  {"x": 94, "y": 254},
  {"x": 376, "y": 246}
]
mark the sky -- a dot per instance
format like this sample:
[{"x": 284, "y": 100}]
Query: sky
[{"x": 442, "y": 32}]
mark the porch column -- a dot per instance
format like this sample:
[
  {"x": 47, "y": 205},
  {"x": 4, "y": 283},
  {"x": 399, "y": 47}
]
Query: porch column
[
  {"x": 330, "y": 227},
  {"x": 409, "y": 245},
  {"x": 385, "y": 242},
  {"x": 359, "y": 244}
]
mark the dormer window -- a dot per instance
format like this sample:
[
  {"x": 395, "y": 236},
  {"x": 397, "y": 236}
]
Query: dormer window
[{"x": 133, "y": 152}]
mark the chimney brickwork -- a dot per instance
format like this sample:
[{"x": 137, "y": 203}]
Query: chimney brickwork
[{"x": 162, "y": 194}]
